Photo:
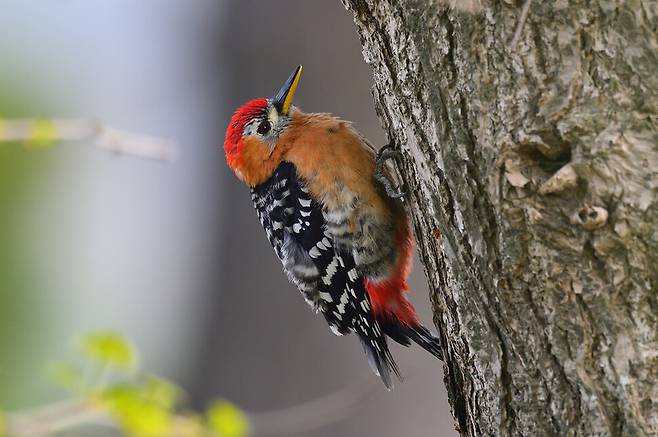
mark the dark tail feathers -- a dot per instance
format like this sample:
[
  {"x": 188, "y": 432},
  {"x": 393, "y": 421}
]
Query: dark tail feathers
[
  {"x": 418, "y": 334},
  {"x": 379, "y": 357}
]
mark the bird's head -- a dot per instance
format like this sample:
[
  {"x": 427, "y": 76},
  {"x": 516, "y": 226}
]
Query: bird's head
[{"x": 254, "y": 131}]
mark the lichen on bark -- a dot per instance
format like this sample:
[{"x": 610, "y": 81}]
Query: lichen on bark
[{"x": 532, "y": 174}]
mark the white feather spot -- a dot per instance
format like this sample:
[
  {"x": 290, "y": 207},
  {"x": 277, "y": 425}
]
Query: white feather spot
[
  {"x": 314, "y": 252},
  {"x": 331, "y": 270},
  {"x": 344, "y": 298},
  {"x": 335, "y": 330},
  {"x": 305, "y": 202}
]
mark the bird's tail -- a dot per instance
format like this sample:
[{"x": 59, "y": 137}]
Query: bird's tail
[
  {"x": 405, "y": 334},
  {"x": 380, "y": 359}
]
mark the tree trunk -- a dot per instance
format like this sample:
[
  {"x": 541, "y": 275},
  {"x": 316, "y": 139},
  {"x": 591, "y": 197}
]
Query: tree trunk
[{"x": 531, "y": 173}]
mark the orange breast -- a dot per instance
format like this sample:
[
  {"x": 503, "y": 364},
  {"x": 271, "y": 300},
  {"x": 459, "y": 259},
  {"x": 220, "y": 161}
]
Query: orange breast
[{"x": 327, "y": 151}]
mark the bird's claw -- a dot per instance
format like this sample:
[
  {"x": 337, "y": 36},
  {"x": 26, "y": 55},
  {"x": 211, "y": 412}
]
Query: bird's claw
[{"x": 384, "y": 154}]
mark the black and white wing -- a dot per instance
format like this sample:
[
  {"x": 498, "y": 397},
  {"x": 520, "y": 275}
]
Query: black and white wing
[{"x": 326, "y": 276}]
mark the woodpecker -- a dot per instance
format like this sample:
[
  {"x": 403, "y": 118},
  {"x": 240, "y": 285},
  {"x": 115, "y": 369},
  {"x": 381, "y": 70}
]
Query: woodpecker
[{"x": 328, "y": 209}]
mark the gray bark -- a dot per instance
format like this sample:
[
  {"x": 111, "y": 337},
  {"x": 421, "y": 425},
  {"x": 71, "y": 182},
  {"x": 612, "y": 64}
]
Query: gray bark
[{"x": 532, "y": 174}]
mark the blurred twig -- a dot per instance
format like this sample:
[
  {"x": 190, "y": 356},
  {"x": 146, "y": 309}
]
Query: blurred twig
[
  {"x": 46, "y": 420},
  {"x": 296, "y": 420},
  {"x": 519, "y": 26},
  {"x": 37, "y": 131},
  {"x": 315, "y": 414},
  {"x": 147, "y": 405},
  {"x": 318, "y": 413}
]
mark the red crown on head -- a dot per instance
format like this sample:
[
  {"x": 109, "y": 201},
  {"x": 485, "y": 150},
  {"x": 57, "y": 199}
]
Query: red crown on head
[{"x": 242, "y": 116}]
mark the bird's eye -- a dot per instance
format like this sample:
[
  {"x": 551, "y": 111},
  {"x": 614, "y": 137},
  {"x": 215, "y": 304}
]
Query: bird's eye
[{"x": 264, "y": 127}]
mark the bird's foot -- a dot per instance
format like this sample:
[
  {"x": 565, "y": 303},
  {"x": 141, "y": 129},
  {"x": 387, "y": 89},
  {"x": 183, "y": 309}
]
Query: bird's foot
[{"x": 384, "y": 154}]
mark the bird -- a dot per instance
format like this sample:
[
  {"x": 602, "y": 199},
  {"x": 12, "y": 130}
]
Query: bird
[{"x": 324, "y": 198}]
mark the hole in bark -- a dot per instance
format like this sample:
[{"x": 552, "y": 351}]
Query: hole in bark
[
  {"x": 590, "y": 217},
  {"x": 546, "y": 148},
  {"x": 582, "y": 214},
  {"x": 548, "y": 164}
]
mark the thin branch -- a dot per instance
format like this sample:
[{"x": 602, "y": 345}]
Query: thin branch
[
  {"x": 54, "y": 417},
  {"x": 318, "y": 413},
  {"x": 295, "y": 420},
  {"x": 315, "y": 414},
  {"x": 520, "y": 24},
  {"x": 43, "y": 131}
]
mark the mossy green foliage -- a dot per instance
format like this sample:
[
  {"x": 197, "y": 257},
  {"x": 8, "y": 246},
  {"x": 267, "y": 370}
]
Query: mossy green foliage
[
  {"x": 109, "y": 348},
  {"x": 226, "y": 420},
  {"x": 144, "y": 409},
  {"x": 141, "y": 404}
]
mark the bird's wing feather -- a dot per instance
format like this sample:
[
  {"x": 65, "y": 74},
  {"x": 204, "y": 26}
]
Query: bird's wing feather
[{"x": 326, "y": 276}]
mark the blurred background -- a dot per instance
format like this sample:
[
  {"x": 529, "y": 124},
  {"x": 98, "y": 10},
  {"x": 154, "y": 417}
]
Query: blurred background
[{"x": 172, "y": 254}]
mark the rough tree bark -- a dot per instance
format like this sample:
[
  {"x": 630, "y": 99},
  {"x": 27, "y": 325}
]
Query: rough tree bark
[{"x": 532, "y": 174}]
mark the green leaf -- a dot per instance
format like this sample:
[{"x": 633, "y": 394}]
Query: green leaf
[
  {"x": 161, "y": 392},
  {"x": 227, "y": 420},
  {"x": 110, "y": 348},
  {"x": 142, "y": 419},
  {"x": 137, "y": 415}
]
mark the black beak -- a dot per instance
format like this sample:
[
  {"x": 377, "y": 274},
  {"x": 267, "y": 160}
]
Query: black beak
[{"x": 283, "y": 100}]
